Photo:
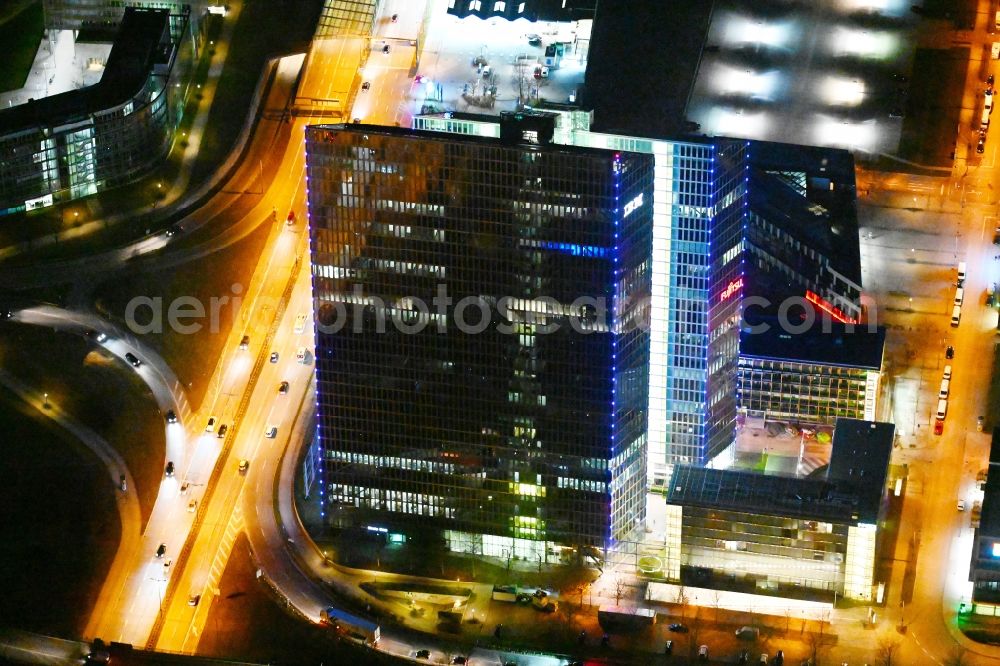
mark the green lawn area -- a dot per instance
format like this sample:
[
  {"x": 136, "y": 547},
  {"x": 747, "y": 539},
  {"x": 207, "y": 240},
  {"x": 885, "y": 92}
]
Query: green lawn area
[
  {"x": 20, "y": 37},
  {"x": 60, "y": 527},
  {"x": 193, "y": 357},
  {"x": 247, "y": 622},
  {"x": 96, "y": 389}
]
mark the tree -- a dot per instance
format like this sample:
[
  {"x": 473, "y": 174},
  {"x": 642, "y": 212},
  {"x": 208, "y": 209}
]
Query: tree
[
  {"x": 619, "y": 590},
  {"x": 716, "y": 601},
  {"x": 886, "y": 651},
  {"x": 816, "y": 644},
  {"x": 681, "y": 599}
]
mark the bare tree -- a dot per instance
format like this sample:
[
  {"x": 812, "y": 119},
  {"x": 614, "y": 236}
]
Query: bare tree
[
  {"x": 620, "y": 588},
  {"x": 816, "y": 645},
  {"x": 886, "y": 651},
  {"x": 716, "y": 601},
  {"x": 681, "y": 599}
]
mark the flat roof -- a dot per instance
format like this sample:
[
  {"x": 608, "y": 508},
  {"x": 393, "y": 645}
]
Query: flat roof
[
  {"x": 138, "y": 47},
  {"x": 810, "y": 192},
  {"x": 851, "y": 491},
  {"x": 448, "y": 137},
  {"x": 635, "y": 83},
  {"x": 826, "y": 343}
]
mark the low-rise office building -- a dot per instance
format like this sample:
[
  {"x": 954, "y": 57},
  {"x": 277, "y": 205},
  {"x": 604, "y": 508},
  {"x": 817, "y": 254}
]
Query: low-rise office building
[
  {"x": 985, "y": 568},
  {"x": 829, "y": 371},
  {"x": 814, "y": 536},
  {"x": 79, "y": 142}
]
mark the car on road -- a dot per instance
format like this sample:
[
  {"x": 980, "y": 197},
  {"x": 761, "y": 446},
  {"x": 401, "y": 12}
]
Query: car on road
[
  {"x": 171, "y": 416},
  {"x": 244, "y": 465},
  {"x": 98, "y": 336},
  {"x": 938, "y": 427},
  {"x": 961, "y": 505},
  {"x": 535, "y": 40},
  {"x": 763, "y": 657},
  {"x": 167, "y": 562},
  {"x": 668, "y": 647},
  {"x": 222, "y": 430},
  {"x": 779, "y": 659},
  {"x": 747, "y": 633},
  {"x": 422, "y": 654},
  {"x": 274, "y": 357},
  {"x": 703, "y": 653},
  {"x": 283, "y": 388},
  {"x": 131, "y": 358},
  {"x": 194, "y": 599},
  {"x": 271, "y": 432},
  {"x": 949, "y": 353},
  {"x": 385, "y": 49},
  {"x": 210, "y": 426},
  {"x": 161, "y": 550},
  {"x": 395, "y": 17},
  {"x": 366, "y": 85},
  {"x": 170, "y": 468},
  {"x": 981, "y": 144},
  {"x": 192, "y": 506},
  {"x": 744, "y": 657},
  {"x": 300, "y": 322},
  {"x": 459, "y": 660},
  {"x": 678, "y": 628},
  {"x": 290, "y": 220},
  {"x": 184, "y": 487},
  {"x": 245, "y": 342}
]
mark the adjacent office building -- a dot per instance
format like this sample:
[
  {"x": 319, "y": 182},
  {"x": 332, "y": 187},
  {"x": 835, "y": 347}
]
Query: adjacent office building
[
  {"x": 481, "y": 353},
  {"x": 985, "y": 567},
  {"x": 788, "y": 536},
  {"x": 78, "y": 142},
  {"x": 87, "y": 14},
  {"x": 827, "y": 371}
]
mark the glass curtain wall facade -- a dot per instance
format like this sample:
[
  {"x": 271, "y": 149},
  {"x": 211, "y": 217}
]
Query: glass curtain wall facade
[
  {"x": 806, "y": 392},
  {"x": 700, "y": 210},
  {"x": 511, "y": 415},
  {"x": 93, "y": 148}
]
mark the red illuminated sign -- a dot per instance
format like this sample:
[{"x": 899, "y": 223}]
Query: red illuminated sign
[
  {"x": 731, "y": 289},
  {"x": 829, "y": 308}
]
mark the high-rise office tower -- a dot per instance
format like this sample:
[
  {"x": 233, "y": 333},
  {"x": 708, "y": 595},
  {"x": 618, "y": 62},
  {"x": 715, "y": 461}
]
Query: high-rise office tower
[{"x": 482, "y": 348}]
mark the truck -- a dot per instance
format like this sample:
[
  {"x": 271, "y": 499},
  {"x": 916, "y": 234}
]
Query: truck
[
  {"x": 505, "y": 593},
  {"x": 614, "y": 617},
  {"x": 354, "y": 627}
]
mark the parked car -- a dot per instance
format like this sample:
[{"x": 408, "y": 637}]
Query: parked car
[
  {"x": 678, "y": 628},
  {"x": 422, "y": 654},
  {"x": 668, "y": 648},
  {"x": 949, "y": 353},
  {"x": 703, "y": 653}
]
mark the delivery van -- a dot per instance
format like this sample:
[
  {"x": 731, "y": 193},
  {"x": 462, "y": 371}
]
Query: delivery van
[
  {"x": 961, "y": 273},
  {"x": 942, "y": 410},
  {"x": 947, "y": 372},
  {"x": 956, "y": 316},
  {"x": 959, "y": 295},
  {"x": 943, "y": 391}
]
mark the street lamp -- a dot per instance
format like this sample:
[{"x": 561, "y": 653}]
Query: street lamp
[{"x": 46, "y": 399}]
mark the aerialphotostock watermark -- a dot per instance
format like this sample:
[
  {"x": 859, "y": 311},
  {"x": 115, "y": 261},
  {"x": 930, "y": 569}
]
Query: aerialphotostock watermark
[{"x": 360, "y": 313}]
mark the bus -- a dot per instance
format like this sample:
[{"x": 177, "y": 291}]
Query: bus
[
  {"x": 611, "y": 617},
  {"x": 351, "y": 626}
]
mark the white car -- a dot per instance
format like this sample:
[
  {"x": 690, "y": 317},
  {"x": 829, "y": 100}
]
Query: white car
[
  {"x": 211, "y": 424},
  {"x": 300, "y": 323},
  {"x": 961, "y": 505}
]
